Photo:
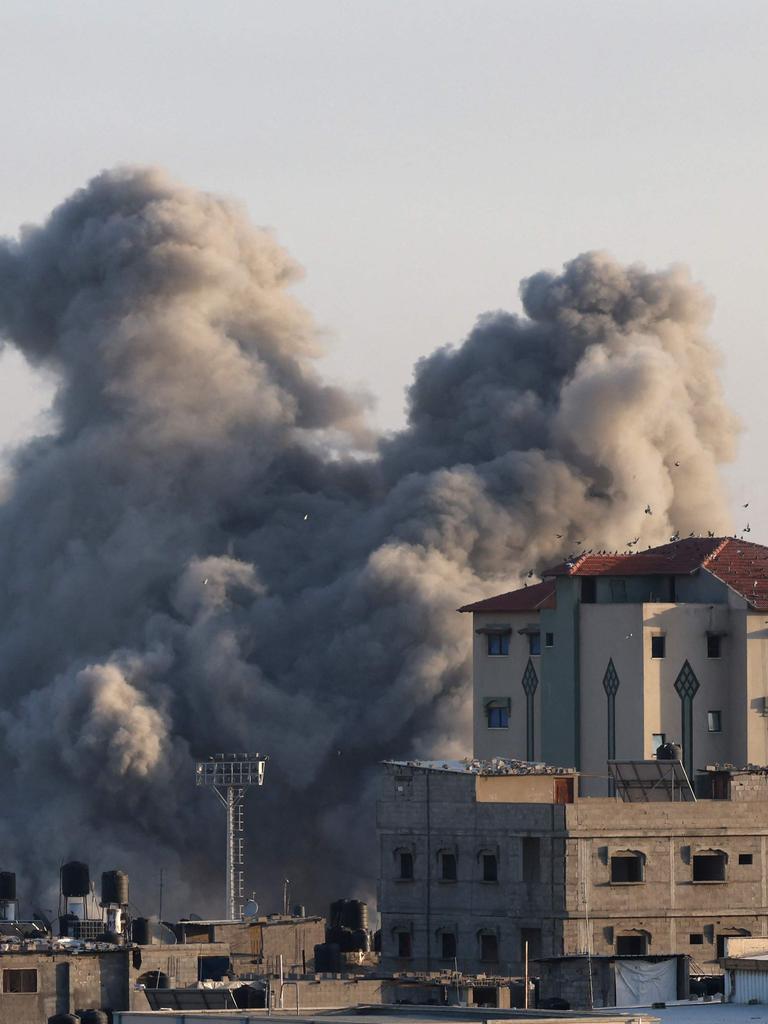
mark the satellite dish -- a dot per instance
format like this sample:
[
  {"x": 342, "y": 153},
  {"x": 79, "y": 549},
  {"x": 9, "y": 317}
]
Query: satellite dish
[{"x": 251, "y": 909}]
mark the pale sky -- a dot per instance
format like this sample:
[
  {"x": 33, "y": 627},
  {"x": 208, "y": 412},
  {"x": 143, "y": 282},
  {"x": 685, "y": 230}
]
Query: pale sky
[{"x": 419, "y": 157}]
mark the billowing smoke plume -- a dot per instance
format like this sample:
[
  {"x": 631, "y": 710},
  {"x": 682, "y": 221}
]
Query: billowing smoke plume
[{"x": 211, "y": 552}]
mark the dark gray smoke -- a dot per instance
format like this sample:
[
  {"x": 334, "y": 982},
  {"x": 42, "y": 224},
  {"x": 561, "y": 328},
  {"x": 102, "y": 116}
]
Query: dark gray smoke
[{"x": 211, "y": 552}]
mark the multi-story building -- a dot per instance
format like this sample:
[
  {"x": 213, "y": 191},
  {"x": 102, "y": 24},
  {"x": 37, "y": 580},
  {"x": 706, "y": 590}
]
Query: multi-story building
[
  {"x": 613, "y": 654},
  {"x": 480, "y": 858}
]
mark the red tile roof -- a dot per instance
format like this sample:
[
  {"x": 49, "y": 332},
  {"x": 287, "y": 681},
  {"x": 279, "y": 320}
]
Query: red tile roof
[
  {"x": 527, "y": 599},
  {"x": 678, "y": 558},
  {"x": 741, "y": 565}
]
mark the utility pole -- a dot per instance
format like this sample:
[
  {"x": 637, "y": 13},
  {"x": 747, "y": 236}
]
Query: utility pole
[{"x": 230, "y": 776}]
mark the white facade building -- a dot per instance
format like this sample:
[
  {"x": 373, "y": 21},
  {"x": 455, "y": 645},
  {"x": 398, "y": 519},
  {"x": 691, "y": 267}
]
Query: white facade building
[{"x": 613, "y": 654}]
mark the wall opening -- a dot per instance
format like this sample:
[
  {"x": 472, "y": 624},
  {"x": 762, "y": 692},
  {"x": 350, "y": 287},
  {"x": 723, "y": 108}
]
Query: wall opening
[{"x": 709, "y": 866}]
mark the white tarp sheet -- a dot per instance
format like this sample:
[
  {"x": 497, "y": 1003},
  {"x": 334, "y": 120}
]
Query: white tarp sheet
[{"x": 642, "y": 982}]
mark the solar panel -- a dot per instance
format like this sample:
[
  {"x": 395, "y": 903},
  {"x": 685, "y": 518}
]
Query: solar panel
[{"x": 651, "y": 781}]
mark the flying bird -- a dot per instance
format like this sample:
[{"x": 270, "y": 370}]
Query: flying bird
[
  {"x": 205, "y": 581},
  {"x": 677, "y": 463},
  {"x": 648, "y": 511},
  {"x": 306, "y": 516},
  {"x": 745, "y": 505}
]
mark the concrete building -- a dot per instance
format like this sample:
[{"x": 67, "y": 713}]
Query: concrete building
[
  {"x": 479, "y": 858},
  {"x": 613, "y": 653}
]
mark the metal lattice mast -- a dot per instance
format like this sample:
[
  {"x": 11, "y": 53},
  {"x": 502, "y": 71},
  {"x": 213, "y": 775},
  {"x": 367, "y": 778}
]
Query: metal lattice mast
[{"x": 230, "y": 776}]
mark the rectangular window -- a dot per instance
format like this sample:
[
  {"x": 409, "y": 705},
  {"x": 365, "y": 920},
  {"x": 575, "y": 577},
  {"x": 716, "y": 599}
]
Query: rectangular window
[
  {"x": 404, "y": 945},
  {"x": 20, "y": 980},
  {"x": 534, "y": 643},
  {"x": 618, "y": 591},
  {"x": 490, "y": 868},
  {"x": 498, "y": 643},
  {"x": 631, "y": 945},
  {"x": 627, "y": 868},
  {"x": 489, "y": 948},
  {"x": 406, "y": 866},
  {"x": 531, "y": 859},
  {"x": 713, "y": 721},
  {"x": 658, "y": 646},
  {"x": 448, "y": 867},
  {"x": 696, "y": 939},
  {"x": 549, "y": 639},
  {"x": 658, "y": 739},
  {"x": 745, "y": 858},
  {"x": 709, "y": 867},
  {"x": 447, "y": 945},
  {"x": 713, "y": 645},
  {"x": 497, "y": 713},
  {"x": 588, "y": 590}
]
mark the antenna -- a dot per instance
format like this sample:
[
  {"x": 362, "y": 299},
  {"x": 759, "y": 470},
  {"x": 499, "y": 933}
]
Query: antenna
[{"x": 229, "y": 776}]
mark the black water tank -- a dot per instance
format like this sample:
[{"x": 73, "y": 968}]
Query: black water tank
[
  {"x": 154, "y": 979},
  {"x": 114, "y": 888},
  {"x": 356, "y": 915},
  {"x": 140, "y": 931},
  {"x": 7, "y": 885},
  {"x": 75, "y": 880},
  {"x": 669, "y": 752},
  {"x": 64, "y": 1018},
  {"x": 349, "y": 914},
  {"x": 361, "y": 941},
  {"x": 336, "y": 914},
  {"x": 93, "y": 1017},
  {"x": 299, "y": 910},
  {"x": 67, "y": 924},
  {"x": 327, "y": 958}
]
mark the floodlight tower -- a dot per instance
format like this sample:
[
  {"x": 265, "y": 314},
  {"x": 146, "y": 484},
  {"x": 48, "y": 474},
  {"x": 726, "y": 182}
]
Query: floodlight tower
[{"x": 230, "y": 776}]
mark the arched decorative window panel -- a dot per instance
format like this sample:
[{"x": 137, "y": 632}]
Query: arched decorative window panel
[
  {"x": 687, "y": 686},
  {"x": 530, "y": 682},
  {"x": 611, "y": 683}
]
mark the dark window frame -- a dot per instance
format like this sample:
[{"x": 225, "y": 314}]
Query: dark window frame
[
  {"x": 530, "y": 858},
  {"x": 448, "y": 939},
  {"x": 629, "y": 863},
  {"x": 714, "y": 645},
  {"x": 405, "y": 857},
  {"x": 490, "y": 866},
  {"x": 404, "y": 944},
  {"x": 17, "y": 980},
  {"x": 489, "y": 947},
  {"x": 500, "y": 640},
  {"x": 446, "y": 858},
  {"x": 703, "y": 865},
  {"x": 696, "y": 939},
  {"x": 549, "y": 639},
  {"x": 658, "y": 643},
  {"x": 745, "y": 858},
  {"x": 497, "y": 718},
  {"x": 715, "y": 721},
  {"x": 534, "y": 644},
  {"x": 632, "y": 945}
]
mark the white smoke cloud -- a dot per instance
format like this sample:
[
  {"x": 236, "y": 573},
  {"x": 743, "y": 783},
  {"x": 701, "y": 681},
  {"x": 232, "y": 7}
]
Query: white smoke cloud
[{"x": 201, "y": 557}]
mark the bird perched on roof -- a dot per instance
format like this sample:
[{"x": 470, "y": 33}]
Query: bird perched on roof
[
  {"x": 675, "y": 536},
  {"x": 710, "y": 533},
  {"x": 747, "y": 528},
  {"x": 530, "y": 573}
]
